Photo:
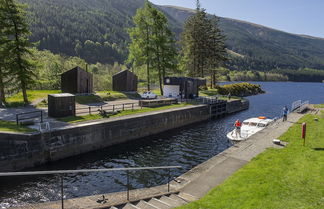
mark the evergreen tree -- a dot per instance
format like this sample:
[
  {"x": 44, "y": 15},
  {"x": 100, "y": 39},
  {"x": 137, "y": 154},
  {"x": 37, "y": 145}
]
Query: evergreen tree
[
  {"x": 202, "y": 43},
  {"x": 152, "y": 43},
  {"x": 3, "y": 57},
  {"x": 16, "y": 28}
]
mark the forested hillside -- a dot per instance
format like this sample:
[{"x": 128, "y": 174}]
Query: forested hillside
[{"x": 96, "y": 31}]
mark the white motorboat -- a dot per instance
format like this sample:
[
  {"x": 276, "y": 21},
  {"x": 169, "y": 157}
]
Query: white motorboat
[{"x": 249, "y": 127}]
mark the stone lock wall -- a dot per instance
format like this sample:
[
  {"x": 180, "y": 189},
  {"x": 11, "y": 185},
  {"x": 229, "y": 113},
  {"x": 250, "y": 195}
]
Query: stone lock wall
[{"x": 19, "y": 151}]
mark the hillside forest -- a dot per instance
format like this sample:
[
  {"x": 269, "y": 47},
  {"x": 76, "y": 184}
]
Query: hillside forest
[{"x": 101, "y": 37}]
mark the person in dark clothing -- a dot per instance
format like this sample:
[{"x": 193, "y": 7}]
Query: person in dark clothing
[{"x": 284, "y": 113}]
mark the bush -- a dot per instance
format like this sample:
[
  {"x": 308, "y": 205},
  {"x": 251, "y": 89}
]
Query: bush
[{"x": 240, "y": 89}]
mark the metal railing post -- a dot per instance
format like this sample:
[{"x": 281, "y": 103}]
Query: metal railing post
[
  {"x": 89, "y": 110},
  {"x": 41, "y": 116},
  {"x": 169, "y": 178},
  {"x": 132, "y": 106},
  {"x": 113, "y": 108},
  {"x": 17, "y": 119},
  {"x": 127, "y": 176},
  {"x": 62, "y": 193},
  {"x": 123, "y": 107}
]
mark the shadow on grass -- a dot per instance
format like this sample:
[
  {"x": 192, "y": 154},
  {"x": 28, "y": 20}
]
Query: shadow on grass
[{"x": 318, "y": 149}]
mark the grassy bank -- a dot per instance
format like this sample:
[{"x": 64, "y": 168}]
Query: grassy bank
[
  {"x": 319, "y": 105},
  {"x": 278, "y": 178},
  {"x": 9, "y": 126},
  {"x": 76, "y": 119},
  {"x": 33, "y": 95}
]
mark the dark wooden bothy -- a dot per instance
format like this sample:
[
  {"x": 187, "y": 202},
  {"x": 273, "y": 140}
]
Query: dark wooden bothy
[
  {"x": 188, "y": 87},
  {"x": 61, "y": 105},
  {"x": 76, "y": 81},
  {"x": 124, "y": 80}
]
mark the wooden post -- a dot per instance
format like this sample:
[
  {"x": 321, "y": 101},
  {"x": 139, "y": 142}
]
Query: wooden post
[{"x": 304, "y": 132}]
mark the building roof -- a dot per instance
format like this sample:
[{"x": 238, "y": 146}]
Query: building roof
[
  {"x": 124, "y": 71},
  {"x": 77, "y": 68}
]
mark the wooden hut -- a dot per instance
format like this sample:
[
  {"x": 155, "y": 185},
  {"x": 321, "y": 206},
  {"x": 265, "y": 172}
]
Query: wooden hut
[
  {"x": 76, "y": 81},
  {"x": 124, "y": 80},
  {"x": 182, "y": 87}
]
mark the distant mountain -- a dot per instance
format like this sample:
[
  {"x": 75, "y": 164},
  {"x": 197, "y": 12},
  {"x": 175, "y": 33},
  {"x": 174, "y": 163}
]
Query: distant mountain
[{"x": 96, "y": 31}]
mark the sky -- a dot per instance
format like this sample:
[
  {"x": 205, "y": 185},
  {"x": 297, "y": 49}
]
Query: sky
[{"x": 293, "y": 16}]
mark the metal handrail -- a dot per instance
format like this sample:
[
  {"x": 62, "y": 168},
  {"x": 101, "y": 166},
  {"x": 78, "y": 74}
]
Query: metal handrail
[
  {"x": 29, "y": 173},
  {"x": 61, "y": 172},
  {"x": 26, "y": 118}
]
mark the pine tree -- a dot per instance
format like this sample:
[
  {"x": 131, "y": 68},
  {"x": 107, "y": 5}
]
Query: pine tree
[
  {"x": 3, "y": 41},
  {"x": 16, "y": 28},
  {"x": 202, "y": 45},
  {"x": 153, "y": 44}
]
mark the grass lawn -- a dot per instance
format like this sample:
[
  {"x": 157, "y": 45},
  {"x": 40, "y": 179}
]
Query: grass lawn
[
  {"x": 288, "y": 178},
  {"x": 115, "y": 95},
  {"x": 76, "y": 119},
  {"x": 319, "y": 105},
  {"x": 9, "y": 126},
  {"x": 33, "y": 95}
]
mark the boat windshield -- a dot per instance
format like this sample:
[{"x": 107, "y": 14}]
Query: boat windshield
[
  {"x": 262, "y": 125},
  {"x": 253, "y": 124},
  {"x": 245, "y": 123}
]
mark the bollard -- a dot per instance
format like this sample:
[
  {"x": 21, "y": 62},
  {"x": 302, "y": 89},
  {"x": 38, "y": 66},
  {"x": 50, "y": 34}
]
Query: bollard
[{"x": 304, "y": 132}]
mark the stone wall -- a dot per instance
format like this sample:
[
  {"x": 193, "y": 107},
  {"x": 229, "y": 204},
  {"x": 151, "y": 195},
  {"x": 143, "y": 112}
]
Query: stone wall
[
  {"x": 236, "y": 106},
  {"x": 19, "y": 151}
]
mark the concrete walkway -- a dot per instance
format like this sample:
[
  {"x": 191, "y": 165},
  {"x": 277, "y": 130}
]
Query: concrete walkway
[{"x": 195, "y": 183}]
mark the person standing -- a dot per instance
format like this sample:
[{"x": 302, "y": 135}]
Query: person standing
[
  {"x": 284, "y": 113},
  {"x": 237, "y": 127}
]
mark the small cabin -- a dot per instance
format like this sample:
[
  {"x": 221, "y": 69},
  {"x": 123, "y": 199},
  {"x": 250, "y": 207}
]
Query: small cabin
[
  {"x": 77, "y": 81},
  {"x": 182, "y": 87},
  {"x": 124, "y": 80}
]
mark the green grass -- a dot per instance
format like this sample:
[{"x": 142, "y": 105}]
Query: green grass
[
  {"x": 76, "y": 119},
  {"x": 9, "y": 126},
  {"x": 87, "y": 99},
  {"x": 33, "y": 95},
  {"x": 116, "y": 95},
  {"x": 319, "y": 105},
  {"x": 288, "y": 178}
]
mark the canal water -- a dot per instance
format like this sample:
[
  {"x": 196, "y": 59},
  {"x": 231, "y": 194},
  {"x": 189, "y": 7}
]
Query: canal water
[{"x": 187, "y": 147}]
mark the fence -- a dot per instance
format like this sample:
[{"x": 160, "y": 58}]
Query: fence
[
  {"x": 29, "y": 115},
  {"x": 62, "y": 172},
  {"x": 94, "y": 109},
  {"x": 299, "y": 106}
]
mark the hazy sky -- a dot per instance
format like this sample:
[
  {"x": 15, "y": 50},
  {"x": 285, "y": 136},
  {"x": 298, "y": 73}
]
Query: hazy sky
[{"x": 294, "y": 16}]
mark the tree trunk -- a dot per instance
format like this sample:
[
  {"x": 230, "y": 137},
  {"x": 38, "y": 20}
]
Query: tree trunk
[
  {"x": 147, "y": 59},
  {"x": 2, "y": 92},
  {"x": 24, "y": 92}
]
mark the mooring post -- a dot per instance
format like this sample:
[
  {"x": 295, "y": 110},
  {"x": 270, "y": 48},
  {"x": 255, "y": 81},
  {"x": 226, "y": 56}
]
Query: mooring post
[
  {"x": 113, "y": 108},
  {"x": 123, "y": 107},
  {"x": 41, "y": 116},
  {"x": 132, "y": 106},
  {"x": 62, "y": 193},
  {"x": 17, "y": 119}
]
